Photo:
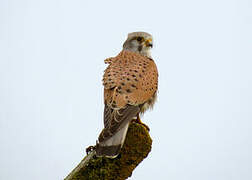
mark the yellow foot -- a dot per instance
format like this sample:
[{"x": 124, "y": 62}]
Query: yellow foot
[{"x": 140, "y": 122}]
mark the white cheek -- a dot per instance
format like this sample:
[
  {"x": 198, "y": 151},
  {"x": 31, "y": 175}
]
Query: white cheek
[{"x": 146, "y": 48}]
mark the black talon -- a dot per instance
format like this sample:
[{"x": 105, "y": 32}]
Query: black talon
[{"x": 90, "y": 149}]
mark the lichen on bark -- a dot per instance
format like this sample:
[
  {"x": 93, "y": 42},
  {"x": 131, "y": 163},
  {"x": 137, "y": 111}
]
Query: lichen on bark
[{"x": 136, "y": 147}]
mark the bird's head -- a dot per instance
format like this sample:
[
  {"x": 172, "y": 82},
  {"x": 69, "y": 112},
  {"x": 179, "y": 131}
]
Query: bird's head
[{"x": 140, "y": 42}]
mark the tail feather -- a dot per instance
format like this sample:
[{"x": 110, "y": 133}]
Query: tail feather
[
  {"x": 116, "y": 123},
  {"x": 108, "y": 151},
  {"x": 112, "y": 146}
]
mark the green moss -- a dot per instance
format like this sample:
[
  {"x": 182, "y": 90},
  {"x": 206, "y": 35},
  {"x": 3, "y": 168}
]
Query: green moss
[{"x": 136, "y": 147}]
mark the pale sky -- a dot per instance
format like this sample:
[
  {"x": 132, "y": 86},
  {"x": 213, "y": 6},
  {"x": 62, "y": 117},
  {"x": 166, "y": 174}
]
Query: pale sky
[{"x": 51, "y": 94}]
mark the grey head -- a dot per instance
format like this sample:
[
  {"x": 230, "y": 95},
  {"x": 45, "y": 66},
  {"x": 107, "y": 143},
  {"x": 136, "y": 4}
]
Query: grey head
[{"x": 139, "y": 42}]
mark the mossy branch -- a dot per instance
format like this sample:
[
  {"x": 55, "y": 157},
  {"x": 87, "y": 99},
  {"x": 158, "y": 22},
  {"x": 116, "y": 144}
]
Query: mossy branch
[{"x": 136, "y": 147}]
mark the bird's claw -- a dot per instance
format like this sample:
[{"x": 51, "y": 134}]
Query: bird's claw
[{"x": 90, "y": 149}]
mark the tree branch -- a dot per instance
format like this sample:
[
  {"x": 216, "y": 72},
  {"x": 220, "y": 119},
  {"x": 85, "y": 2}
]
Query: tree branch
[{"x": 136, "y": 147}]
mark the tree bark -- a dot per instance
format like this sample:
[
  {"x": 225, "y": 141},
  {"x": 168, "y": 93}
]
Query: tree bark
[{"x": 136, "y": 147}]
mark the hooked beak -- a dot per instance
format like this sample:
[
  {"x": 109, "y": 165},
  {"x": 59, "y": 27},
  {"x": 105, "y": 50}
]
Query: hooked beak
[{"x": 148, "y": 43}]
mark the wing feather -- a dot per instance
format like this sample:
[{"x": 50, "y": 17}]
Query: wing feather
[{"x": 116, "y": 119}]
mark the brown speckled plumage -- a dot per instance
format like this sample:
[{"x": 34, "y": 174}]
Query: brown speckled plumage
[{"x": 131, "y": 79}]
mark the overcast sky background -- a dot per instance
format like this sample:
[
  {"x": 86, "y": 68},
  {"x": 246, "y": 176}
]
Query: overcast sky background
[{"x": 51, "y": 95}]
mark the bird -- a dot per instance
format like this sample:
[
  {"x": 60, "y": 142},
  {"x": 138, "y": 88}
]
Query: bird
[{"x": 130, "y": 88}]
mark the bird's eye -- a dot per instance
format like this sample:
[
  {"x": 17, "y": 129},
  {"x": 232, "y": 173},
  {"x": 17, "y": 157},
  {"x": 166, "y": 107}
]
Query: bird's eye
[{"x": 139, "y": 39}]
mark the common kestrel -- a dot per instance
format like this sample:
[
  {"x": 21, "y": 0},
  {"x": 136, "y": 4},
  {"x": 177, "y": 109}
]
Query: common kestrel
[{"x": 130, "y": 87}]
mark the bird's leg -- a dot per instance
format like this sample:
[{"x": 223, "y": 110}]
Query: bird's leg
[{"x": 137, "y": 120}]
